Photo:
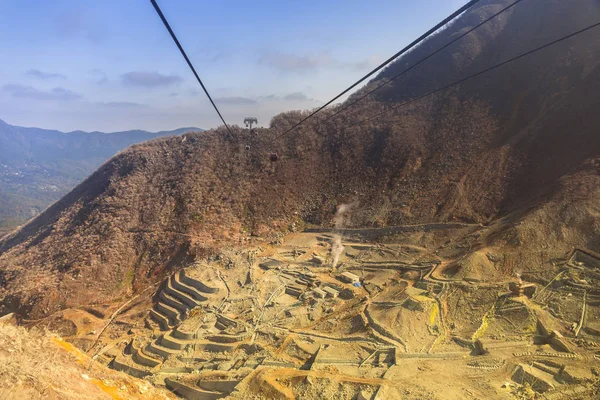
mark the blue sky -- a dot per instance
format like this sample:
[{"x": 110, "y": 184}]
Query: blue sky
[{"x": 110, "y": 65}]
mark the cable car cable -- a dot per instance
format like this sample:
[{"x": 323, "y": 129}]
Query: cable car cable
[
  {"x": 386, "y": 62},
  {"x": 422, "y": 60},
  {"x": 527, "y": 53},
  {"x": 164, "y": 20},
  {"x": 522, "y": 55}
]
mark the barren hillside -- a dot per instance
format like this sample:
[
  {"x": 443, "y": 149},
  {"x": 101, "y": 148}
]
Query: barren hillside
[
  {"x": 510, "y": 143},
  {"x": 39, "y": 365},
  {"x": 447, "y": 249}
]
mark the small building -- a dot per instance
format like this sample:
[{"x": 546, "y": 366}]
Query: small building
[
  {"x": 308, "y": 278},
  {"x": 319, "y": 293},
  {"x": 349, "y": 277},
  {"x": 331, "y": 292},
  {"x": 584, "y": 258},
  {"x": 295, "y": 291}
]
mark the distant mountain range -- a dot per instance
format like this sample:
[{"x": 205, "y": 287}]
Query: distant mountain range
[{"x": 39, "y": 166}]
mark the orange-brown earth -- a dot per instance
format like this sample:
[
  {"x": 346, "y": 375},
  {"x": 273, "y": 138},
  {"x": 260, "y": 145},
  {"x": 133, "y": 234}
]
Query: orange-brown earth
[{"x": 516, "y": 149}]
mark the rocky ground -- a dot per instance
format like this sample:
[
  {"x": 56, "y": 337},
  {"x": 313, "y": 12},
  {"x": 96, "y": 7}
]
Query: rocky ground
[
  {"x": 35, "y": 364},
  {"x": 276, "y": 320}
]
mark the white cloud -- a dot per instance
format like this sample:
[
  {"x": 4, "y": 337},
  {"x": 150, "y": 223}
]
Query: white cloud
[
  {"x": 57, "y": 94},
  {"x": 45, "y": 75},
  {"x": 149, "y": 79}
]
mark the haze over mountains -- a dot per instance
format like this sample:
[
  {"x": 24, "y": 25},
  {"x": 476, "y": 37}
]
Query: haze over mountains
[{"x": 39, "y": 166}]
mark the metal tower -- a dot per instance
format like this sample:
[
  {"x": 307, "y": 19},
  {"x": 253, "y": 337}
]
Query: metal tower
[{"x": 249, "y": 121}]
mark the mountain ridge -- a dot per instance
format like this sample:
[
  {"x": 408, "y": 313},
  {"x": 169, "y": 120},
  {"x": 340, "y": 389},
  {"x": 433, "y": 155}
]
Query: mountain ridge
[
  {"x": 38, "y": 166},
  {"x": 454, "y": 157}
]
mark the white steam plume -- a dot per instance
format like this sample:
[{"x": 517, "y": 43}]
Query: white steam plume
[{"x": 336, "y": 247}]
